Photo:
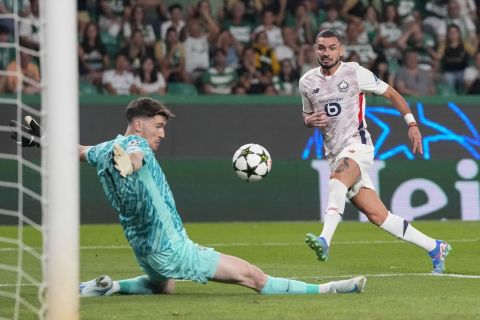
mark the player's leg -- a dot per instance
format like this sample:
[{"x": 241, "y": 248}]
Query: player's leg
[
  {"x": 234, "y": 270},
  {"x": 370, "y": 204},
  {"x": 105, "y": 286},
  {"x": 345, "y": 174}
]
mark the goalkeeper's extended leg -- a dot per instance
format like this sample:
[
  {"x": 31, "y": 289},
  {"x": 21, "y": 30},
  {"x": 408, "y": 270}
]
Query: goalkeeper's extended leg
[{"x": 234, "y": 270}]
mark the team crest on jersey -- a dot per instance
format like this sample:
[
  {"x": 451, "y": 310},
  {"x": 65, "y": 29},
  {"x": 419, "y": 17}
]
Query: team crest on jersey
[
  {"x": 134, "y": 143},
  {"x": 343, "y": 86}
]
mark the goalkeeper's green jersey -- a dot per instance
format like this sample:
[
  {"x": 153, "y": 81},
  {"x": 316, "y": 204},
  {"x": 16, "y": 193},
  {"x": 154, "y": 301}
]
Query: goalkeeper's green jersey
[{"x": 143, "y": 200}]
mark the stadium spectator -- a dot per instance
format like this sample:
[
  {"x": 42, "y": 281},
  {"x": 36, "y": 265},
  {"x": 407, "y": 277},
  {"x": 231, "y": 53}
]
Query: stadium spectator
[
  {"x": 353, "y": 56},
  {"x": 220, "y": 78},
  {"x": 120, "y": 80},
  {"x": 175, "y": 13},
  {"x": 306, "y": 59},
  {"x": 434, "y": 13},
  {"x": 8, "y": 7},
  {"x": 454, "y": 59},
  {"x": 29, "y": 29},
  {"x": 333, "y": 101},
  {"x": 236, "y": 22},
  {"x": 333, "y": 21},
  {"x": 197, "y": 45},
  {"x": 149, "y": 80},
  {"x": 390, "y": 32},
  {"x": 472, "y": 76},
  {"x": 253, "y": 80},
  {"x": 266, "y": 60},
  {"x": 6, "y": 55},
  {"x": 415, "y": 39},
  {"x": 93, "y": 55},
  {"x": 380, "y": 68},
  {"x": 137, "y": 50},
  {"x": 28, "y": 73},
  {"x": 274, "y": 33},
  {"x": 353, "y": 42},
  {"x": 411, "y": 80},
  {"x": 304, "y": 22},
  {"x": 467, "y": 28},
  {"x": 290, "y": 48},
  {"x": 286, "y": 82},
  {"x": 153, "y": 226},
  {"x": 137, "y": 22},
  {"x": 170, "y": 55},
  {"x": 110, "y": 16},
  {"x": 372, "y": 25},
  {"x": 227, "y": 42}
]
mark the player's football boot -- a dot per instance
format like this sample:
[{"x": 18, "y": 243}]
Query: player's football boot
[
  {"x": 319, "y": 245},
  {"x": 438, "y": 256},
  {"x": 101, "y": 286},
  {"x": 354, "y": 285}
]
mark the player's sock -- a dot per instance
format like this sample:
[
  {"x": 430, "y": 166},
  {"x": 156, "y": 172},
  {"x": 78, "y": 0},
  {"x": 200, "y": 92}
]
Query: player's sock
[
  {"x": 402, "y": 229},
  {"x": 337, "y": 192},
  {"x": 288, "y": 286},
  {"x": 138, "y": 285}
]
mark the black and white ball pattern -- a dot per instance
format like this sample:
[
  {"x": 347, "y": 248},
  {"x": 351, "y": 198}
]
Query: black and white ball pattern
[{"x": 252, "y": 162}]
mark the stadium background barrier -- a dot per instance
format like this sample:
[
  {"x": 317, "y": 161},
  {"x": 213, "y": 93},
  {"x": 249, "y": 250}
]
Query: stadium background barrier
[{"x": 196, "y": 157}]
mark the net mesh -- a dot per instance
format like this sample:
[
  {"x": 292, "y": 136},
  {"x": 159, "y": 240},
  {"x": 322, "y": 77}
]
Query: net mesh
[{"x": 22, "y": 173}]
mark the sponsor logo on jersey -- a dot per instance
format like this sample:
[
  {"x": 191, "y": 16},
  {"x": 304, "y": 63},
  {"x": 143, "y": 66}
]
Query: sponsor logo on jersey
[
  {"x": 343, "y": 86},
  {"x": 134, "y": 143}
]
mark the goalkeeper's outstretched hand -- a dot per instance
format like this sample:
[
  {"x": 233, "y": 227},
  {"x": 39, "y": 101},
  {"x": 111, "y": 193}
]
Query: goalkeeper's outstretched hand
[
  {"x": 30, "y": 135},
  {"x": 123, "y": 163}
]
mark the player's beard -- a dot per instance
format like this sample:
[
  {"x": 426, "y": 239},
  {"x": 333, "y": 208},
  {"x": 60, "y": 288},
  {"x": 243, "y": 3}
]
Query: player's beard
[{"x": 330, "y": 65}]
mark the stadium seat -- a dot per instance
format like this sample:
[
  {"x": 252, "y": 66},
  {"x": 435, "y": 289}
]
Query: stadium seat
[
  {"x": 182, "y": 89},
  {"x": 444, "y": 90},
  {"x": 85, "y": 87}
]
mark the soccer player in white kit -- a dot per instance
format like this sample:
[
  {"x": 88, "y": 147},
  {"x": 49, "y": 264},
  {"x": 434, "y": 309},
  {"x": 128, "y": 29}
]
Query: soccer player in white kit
[{"x": 333, "y": 97}]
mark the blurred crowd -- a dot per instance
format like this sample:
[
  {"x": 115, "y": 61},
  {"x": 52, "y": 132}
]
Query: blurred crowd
[{"x": 244, "y": 47}]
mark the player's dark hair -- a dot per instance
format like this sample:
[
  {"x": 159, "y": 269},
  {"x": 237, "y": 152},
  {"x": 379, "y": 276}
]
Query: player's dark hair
[
  {"x": 330, "y": 33},
  {"x": 147, "y": 107}
]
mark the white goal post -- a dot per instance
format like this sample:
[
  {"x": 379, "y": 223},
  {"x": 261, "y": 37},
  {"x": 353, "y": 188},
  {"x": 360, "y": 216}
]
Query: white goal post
[{"x": 61, "y": 124}]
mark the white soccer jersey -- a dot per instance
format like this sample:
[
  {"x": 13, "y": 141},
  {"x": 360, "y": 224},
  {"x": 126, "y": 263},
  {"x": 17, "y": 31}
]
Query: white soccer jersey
[{"x": 342, "y": 97}]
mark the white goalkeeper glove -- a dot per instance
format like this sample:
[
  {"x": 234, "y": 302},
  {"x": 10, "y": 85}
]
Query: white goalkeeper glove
[{"x": 123, "y": 163}]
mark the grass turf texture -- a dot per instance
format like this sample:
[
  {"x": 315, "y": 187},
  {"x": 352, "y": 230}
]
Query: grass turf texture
[{"x": 398, "y": 286}]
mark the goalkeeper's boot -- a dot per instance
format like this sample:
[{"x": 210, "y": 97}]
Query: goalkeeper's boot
[
  {"x": 438, "y": 256},
  {"x": 353, "y": 285},
  {"x": 101, "y": 286},
  {"x": 319, "y": 245}
]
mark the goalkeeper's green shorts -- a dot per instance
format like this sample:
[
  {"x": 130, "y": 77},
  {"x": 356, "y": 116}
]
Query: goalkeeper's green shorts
[{"x": 189, "y": 262}]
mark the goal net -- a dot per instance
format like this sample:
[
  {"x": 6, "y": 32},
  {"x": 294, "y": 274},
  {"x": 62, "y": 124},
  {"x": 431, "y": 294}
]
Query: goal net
[{"x": 39, "y": 209}]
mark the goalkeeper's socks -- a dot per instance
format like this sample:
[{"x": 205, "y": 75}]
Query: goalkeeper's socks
[
  {"x": 402, "y": 229},
  {"x": 138, "y": 285},
  {"x": 288, "y": 286}
]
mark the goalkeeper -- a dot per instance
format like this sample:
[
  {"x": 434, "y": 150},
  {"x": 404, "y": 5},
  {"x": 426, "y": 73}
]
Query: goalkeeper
[{"x": 136, "y": 187}]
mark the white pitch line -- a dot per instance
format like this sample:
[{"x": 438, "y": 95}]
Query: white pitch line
[
  {"x": 373, "y": 275},
  {"x": 261, "y": 244}
]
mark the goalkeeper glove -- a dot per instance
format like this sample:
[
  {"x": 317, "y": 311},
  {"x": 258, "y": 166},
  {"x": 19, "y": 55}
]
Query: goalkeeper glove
[
  {"x": 123, "y": 163},
  {"x": 30, "y": 135}
]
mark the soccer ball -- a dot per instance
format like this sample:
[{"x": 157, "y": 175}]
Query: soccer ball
[{"x": 252, "y": 162}]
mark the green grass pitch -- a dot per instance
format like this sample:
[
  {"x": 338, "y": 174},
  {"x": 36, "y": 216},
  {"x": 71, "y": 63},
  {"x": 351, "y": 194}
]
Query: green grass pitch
[{"x": 399, "y": 285}]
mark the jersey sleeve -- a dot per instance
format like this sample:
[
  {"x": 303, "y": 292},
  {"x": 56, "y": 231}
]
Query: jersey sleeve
[
  {"x": 307, "y": 107},
  {"x": 94, "y": 153},
  {"x": 369, "y": 82}
]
